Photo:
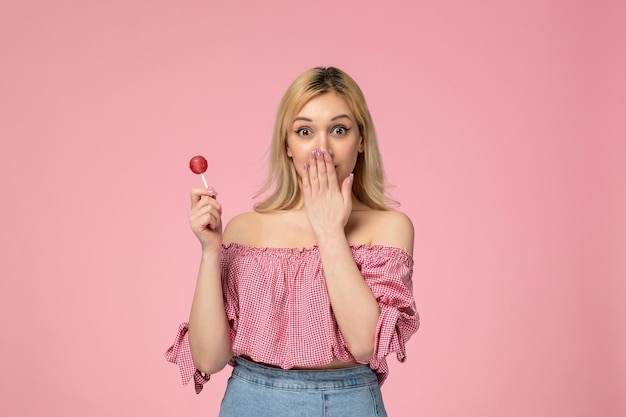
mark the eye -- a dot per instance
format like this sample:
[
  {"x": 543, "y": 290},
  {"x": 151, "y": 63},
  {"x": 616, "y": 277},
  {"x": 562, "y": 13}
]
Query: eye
[
  {"x": 340, "y": 130},
  {"x": 303, "y": 131}
]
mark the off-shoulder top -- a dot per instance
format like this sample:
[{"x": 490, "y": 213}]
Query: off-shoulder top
[{"x": 280, "y": 314}]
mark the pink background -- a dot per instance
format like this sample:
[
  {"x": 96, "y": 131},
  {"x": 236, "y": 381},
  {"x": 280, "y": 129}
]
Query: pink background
[{"x": 503, "y": 128}]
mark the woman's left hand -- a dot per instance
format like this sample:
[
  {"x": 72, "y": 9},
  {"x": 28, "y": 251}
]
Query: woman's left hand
[{"x": 327, "y": 206}]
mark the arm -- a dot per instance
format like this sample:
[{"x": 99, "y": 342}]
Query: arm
[
  {"x": 357, "y": 311},
  {"x": 209, "y": 331},
  {"x": 354, "y": 306}
]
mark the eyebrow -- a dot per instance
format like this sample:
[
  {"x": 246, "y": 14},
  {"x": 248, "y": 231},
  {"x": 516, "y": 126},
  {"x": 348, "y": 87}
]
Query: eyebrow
[
  {"x": 306, "y": 119},
  {"x": 341, "y": 116}
]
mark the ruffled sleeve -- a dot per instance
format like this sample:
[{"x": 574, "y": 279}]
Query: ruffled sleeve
[
  {"x": 180, "y": 354},
  {"x": 388, "y": 272}
]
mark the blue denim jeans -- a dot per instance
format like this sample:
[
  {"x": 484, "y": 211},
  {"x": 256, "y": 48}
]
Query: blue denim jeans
[{"x": 255, "y": 390}]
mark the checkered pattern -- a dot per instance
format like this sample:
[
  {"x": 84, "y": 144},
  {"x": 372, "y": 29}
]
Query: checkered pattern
[{"x": 279, "y": 311}]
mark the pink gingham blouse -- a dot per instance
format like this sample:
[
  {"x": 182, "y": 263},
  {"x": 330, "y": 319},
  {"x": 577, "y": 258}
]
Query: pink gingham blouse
[{"x": 280, "y": 314}]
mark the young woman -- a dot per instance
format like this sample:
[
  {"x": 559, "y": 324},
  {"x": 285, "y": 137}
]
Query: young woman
[{"x": 306, "y": 295}]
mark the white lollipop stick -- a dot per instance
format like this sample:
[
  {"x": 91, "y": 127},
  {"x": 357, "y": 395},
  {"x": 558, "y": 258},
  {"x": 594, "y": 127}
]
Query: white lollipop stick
[{"x": 204, "y": 180}]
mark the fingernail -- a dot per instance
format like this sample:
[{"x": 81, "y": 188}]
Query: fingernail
[
  {"x": 350, "y": 178},
  {"x": 213, "y": 193},
  {"x": 306, "y": 168},
  {"x": 312, "y": 155},
  {"x": 326, "y": 154},
  {"x": 318, "y": 152}
]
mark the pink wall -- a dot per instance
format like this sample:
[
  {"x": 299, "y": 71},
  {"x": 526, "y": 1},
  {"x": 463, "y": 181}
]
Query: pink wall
[{"x": 503, "y": 127}]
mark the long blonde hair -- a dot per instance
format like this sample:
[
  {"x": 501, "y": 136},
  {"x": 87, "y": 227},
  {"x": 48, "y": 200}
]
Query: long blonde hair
[{"x": 369, "y": 178}]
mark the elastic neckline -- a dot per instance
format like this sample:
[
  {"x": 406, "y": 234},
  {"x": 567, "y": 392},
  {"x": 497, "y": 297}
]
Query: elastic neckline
[{"x": 361, "y": 247}]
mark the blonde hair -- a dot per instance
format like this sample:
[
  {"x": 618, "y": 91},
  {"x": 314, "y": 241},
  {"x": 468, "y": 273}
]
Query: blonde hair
[{"x": 369, "y": 178}]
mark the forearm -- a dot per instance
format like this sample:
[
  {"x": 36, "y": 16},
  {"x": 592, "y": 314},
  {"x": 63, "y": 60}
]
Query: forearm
[
  {"x": 354, "y": 306},
  {"x": 209, "y": 332}
]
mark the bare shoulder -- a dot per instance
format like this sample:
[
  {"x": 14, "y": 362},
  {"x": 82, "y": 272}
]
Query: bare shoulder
[
  {"x": 285, "y": 229},
  {"x": 241, "y": 228},
  {"x": 391, "y": 228}
]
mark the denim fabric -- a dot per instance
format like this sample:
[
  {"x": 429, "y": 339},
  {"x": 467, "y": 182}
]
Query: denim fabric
[{"x": 255, "y": 390}]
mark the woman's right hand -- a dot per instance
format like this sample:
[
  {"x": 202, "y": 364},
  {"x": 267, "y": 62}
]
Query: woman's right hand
[{"x": 205, "y": 218}]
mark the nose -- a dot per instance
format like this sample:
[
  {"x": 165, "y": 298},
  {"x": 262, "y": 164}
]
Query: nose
[{"x": 323, "y": 142}]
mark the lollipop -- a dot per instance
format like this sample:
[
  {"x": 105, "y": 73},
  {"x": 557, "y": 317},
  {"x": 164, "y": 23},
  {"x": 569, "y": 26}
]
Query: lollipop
[{"x": 198, "y": 165}]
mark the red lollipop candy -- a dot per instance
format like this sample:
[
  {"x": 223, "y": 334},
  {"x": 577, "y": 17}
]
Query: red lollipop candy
[{"x": 198, "y": 165}]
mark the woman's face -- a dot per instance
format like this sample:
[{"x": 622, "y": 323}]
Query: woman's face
[{"x": 326, "y": 123}]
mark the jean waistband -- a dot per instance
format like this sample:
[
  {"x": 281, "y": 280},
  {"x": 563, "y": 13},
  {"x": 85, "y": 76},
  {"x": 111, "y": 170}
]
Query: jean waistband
[{"x": 304, "y": 379}]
